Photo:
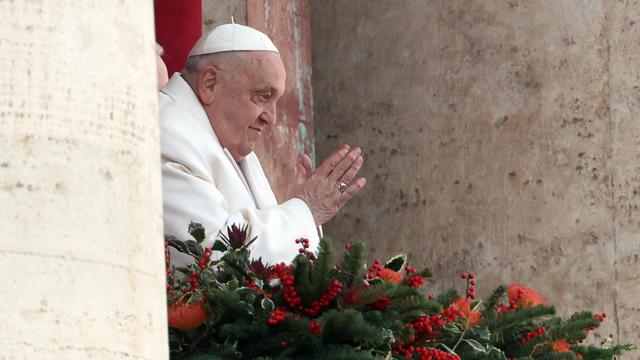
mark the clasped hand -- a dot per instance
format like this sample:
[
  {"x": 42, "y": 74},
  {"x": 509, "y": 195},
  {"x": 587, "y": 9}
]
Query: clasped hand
[{"x": 333, "y": 183}]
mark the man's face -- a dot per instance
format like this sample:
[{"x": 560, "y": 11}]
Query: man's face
[{"x": 245, "y": 97}]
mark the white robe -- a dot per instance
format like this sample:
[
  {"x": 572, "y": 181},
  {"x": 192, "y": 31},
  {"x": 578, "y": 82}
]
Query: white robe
[{"x": 202, "y": 183}]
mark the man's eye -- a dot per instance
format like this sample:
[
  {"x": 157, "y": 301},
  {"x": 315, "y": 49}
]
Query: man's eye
[{"x": 263, "y": 97}]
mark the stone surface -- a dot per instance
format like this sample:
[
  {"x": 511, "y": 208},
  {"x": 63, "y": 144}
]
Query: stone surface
[
  {"x": 81, "y": 250},
  {"x": 500, "y": 137},
  {"x": 219, "y": 12},
  {"x": 286, "y": 22}
]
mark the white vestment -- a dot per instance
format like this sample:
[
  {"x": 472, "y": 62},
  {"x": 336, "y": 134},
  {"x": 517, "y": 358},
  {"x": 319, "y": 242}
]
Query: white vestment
[{"x": 202, "y": 183}]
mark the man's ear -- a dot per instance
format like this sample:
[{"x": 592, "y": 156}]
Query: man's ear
[{"x": 207, "y": 80}]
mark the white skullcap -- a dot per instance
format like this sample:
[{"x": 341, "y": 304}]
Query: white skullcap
[{"x": 232, "y": 37}]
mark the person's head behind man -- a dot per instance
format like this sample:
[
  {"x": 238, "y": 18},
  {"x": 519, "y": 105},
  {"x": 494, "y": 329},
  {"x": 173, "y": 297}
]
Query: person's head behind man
[{"x": 238, "y": 89}]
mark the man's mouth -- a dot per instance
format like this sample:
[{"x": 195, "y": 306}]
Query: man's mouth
[{"x": 256, "y": 128}]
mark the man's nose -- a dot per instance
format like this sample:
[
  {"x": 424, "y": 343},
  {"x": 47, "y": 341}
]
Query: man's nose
[{"x": 269, "y": 115}]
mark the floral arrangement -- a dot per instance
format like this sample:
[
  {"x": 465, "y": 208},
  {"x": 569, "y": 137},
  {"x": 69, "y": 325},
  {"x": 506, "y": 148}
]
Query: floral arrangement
[{"x": 237, "y": 307}]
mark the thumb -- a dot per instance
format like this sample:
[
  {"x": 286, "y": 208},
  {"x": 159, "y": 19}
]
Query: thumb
[{"x": 304, "y": 166}]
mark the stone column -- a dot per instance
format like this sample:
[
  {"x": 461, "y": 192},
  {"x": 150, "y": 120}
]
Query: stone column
[
  {"x": 500, "y": 137},
  {"x": 81, "y": 249}
]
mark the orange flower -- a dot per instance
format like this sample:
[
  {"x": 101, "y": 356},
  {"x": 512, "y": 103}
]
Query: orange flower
[
  {"x": 465, "y": 307},
  {"x": 520, "y": 296},
  {"x": 561, "y": 346},
  {"x": 390, "y": 275},
  {"x": 183, "y": 316}
]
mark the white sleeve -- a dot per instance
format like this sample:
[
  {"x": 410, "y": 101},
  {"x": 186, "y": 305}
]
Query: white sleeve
[{"x": 190, "y": 194}]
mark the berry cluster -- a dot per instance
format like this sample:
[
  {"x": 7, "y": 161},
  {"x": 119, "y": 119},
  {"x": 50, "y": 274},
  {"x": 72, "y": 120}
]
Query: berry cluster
[
  {"x": 374, "y": 270},
  {"x": 471, "y": 284},
  {"x": 531, "y": 335},
  {"x": 252, "y": 285},
  {"x": 305, "y": 247},
  {"x": 599, "y": 317},
  {"x": 424, "y": 353},
  {"x": 277, "y": 316},
  {"x": 194, "y": 281},
  {"x": 315, "y": 327},
  {"x": 426, "y": 326},
  {"x": 204, "y": 260},
  {"x": 413, "y": 280},
  {"x": 293, "y": 299}
]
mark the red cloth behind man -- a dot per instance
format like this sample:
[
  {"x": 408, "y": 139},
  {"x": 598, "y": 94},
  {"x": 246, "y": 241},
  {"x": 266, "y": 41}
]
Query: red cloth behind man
[{"x": 178, "y": 27}]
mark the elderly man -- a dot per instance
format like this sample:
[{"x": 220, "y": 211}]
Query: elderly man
[{"x": 211, "y": 116}]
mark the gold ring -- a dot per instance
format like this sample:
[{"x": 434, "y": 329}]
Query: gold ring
[{"x": 342, "y": 186}]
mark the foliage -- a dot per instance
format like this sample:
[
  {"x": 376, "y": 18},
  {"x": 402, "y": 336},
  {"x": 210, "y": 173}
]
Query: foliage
[{"x": 317, "y": 308}]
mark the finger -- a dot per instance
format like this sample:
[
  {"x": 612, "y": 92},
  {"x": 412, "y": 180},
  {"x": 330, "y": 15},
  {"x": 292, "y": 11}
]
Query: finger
[
  {"x": 351, "y": 191},
  {"x": 344, "y": 165},
  {"x": 332, "y": 161},
  {"x": 351, "y": 173},
  {"x": 305, "y": 163}
]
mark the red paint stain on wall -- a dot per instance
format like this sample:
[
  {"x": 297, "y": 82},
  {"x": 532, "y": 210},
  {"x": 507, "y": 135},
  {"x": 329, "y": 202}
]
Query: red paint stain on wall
[{"x": 286, "y": 22}]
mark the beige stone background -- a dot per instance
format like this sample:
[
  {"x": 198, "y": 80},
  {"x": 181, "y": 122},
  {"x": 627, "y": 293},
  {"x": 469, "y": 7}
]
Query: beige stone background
[
  {"x": 81, "y": 246},
  {"x": 500, "y": 137}
]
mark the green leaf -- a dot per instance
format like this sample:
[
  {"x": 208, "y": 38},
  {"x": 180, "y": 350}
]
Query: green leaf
[
  {"x": 397, "y": 262},
  {"x": 482, "y": 333},
  {"x": 446, "y": 348},
  {"x": 476, "y": 346},
  {"x": 197, "y": 231},
  {"x": 495, "y": 353},
  {"x": 426, "y": 273},
  {"x": 267, "y": 304},
  {"x": 178, "y": 245},
  {"x": 218, "y": 245}
]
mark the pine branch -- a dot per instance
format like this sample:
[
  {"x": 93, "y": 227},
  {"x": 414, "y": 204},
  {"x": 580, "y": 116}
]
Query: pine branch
[
  {"x": 349, "y": 326},
  {"x": 492, "y": 301},
  {"x": 302, "y": 273},
  {"x": 447, "y": 297},
  {"x": 323, "y": 265},
  {"x": 598, "y": 353},
  {"x": 519, "y": 316},
  {"x": 556, "y": 356},
  {"x": 353, "y": 268}
]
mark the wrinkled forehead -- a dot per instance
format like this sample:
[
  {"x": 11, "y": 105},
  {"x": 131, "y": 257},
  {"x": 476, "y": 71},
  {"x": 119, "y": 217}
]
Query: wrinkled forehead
[{"x": 260, "y": 68}]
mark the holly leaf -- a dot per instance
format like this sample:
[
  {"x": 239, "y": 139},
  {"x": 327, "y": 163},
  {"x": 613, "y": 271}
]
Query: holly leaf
[
  {"x": 178, "y": 245},
  {"x": 495, "y": 354},
  {"x": 446, "y": 348},
  {"x": 197, "y": 231},
  {"x": 397, "y": 262},
  {"x": 218, "y": 245},
  {"x": 476, "y": 346},
  {"x": 267, "y": 304},
  {"x": 482, "y": 333}
]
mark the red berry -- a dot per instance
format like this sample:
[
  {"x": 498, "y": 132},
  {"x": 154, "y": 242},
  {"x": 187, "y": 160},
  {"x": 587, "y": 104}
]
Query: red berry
[{"x": 463, "y": 275}]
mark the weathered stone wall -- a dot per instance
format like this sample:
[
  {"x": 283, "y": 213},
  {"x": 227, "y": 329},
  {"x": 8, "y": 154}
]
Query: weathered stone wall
[
  {"x": 219, "y": 12},
  {"x": 81, "y": 250},
  {"x": 500, "y": 137}
]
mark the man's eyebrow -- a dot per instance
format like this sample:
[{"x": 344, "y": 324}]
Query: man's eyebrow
[{"x": 269, "y": 89}]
